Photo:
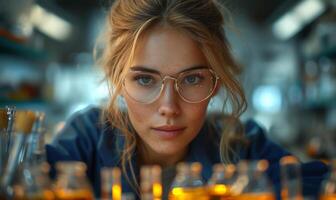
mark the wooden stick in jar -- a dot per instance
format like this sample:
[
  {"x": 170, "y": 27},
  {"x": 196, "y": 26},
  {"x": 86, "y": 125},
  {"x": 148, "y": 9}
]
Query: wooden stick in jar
[
  {"x": 3, "y": 119},
  {"x": 24, "y": 121}
]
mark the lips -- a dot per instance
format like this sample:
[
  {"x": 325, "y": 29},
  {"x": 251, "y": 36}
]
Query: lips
[
  {"x": 169, "y": 128},
  {"x": 168, "y": 132}
]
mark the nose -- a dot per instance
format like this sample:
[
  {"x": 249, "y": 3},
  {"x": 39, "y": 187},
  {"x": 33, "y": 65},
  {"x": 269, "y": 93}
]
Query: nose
[{"x": 168, "y": 101}]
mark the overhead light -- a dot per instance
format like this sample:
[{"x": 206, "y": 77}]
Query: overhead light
[
  {"x": 267, "y": 98},
  {"x": 50, "y": 24},
  {"x": 294, "y": 20}
]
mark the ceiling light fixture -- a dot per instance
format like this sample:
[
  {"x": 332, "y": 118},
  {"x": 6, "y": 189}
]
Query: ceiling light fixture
[
  {"x": 50, "y": 24},
  {"x": 294, "y": 20}
]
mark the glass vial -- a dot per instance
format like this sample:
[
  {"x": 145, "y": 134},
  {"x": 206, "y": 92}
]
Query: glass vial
[
  {"x": 188, "y": 184},
  {"x": 72, "y": 182},
  {"x": 151, "y": 187},
  {"x": 110, "y": 183}
]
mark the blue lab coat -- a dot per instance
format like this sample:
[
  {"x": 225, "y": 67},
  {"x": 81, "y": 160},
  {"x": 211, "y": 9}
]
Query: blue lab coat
[{"x": 86, "y": 138}]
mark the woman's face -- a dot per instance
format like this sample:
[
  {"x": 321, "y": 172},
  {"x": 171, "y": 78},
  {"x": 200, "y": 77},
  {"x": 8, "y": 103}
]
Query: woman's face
[{"x": 167, "y": 125}]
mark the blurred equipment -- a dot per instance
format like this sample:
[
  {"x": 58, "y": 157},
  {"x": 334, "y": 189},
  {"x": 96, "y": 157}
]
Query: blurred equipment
[
  {"x": 252, "y": 182},
  {"x": 291, "y": 182},
  {"x": 34, "y": 183},
  {"x": 72, "y": 182}
]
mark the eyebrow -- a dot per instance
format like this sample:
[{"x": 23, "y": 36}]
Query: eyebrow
[{"x": 151, "y": 70}]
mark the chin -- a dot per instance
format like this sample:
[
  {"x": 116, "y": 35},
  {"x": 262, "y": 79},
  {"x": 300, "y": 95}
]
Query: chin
[{"x": 168, "y": 150}]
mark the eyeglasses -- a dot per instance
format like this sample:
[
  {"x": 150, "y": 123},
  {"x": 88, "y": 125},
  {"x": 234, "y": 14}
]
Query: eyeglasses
[{"x": 193, "y": 86}]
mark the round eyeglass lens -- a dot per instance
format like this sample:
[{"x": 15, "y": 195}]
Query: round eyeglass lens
[
  {"x": 142, "y": 86},
  {"x": 196, "y": 85}
]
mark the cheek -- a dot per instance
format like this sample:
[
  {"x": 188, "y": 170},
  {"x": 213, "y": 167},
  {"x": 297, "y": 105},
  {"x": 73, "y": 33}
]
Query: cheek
[
  {"x": 195, "y": 112},
  {"x": 137, "y": 113}
]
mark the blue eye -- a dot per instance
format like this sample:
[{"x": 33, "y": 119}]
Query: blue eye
[
  {"x": 192, "y": 79},
  {"x": 144, "y": 80}
]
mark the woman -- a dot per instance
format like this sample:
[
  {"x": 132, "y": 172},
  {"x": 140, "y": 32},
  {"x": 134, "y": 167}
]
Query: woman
[{"x": 166, "y": 59}]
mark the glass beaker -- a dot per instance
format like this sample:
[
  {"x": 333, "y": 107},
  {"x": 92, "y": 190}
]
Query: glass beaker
[{"x": 34, "y": 183}]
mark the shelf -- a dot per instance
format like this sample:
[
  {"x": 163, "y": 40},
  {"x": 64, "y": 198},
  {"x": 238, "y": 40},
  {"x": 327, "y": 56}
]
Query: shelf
[
  {"x": 14, "y": 48},
  {"x": 22, "y": 102}
]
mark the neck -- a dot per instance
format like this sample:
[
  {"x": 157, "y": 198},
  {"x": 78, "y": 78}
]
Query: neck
[{"x": 149, "y": 157}]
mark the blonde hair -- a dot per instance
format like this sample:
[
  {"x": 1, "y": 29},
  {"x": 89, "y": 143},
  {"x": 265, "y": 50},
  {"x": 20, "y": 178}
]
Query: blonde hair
[{"x": 202, "y": 20}]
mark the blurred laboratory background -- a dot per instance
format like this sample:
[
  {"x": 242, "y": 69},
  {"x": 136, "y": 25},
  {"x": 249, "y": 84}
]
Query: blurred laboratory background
[{"x": 287, "y": 49}]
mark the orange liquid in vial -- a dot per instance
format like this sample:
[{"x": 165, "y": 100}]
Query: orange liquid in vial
[
  {"x": 219, "y": 192},
  {"x": 284, "y": 196},
  {"x": 114, "y": 194},
  {"x": 328, "y": 197},
  {"x": 220, "y": 197},
  {"x": 74, "y": 195},
  {"x": 255, "y": 196},
  {"x": 188, "y": 194},
  {"x": 45, "y": 195}
]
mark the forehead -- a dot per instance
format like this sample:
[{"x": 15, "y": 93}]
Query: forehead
[{"x": 167, "y": 50}]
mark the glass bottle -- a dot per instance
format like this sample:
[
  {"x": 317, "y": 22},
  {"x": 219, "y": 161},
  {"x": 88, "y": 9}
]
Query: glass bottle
[
  {"x": 71, "y": 182},
  {"x": 31, "y": 181},
  {"x": 328, "y": 191},
  {"x": 22, "y": 128},
  {"x": 34, "y": 184},
  {"x": 26, "y": 169},
  {"x": 35, "y": 151},
  {"x": 151, "y": 187},
  {"x": 188, "y": 184},
  {"x": 252, "y": 182},
  {"x": 221, "y": 181},
  {"x": 110, "y": 183},
  {"x": 291, "y": 182}
]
